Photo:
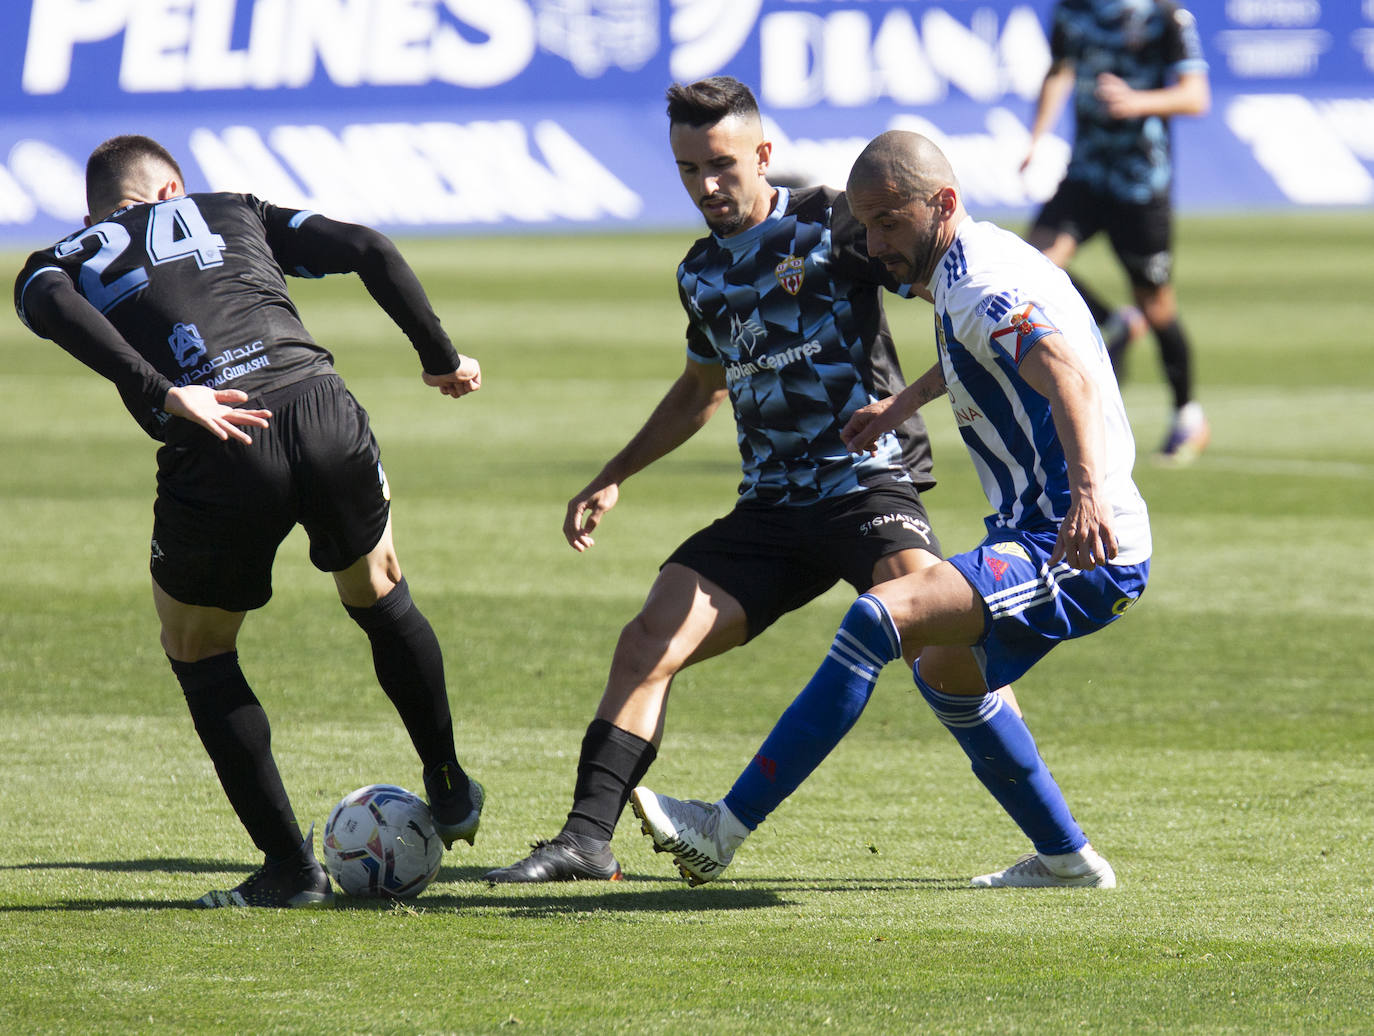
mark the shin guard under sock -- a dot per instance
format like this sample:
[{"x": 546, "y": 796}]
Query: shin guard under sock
[
  {"x": 410, "y": 668},
  {"x": 1177, "y": 361},
  {"x": 235, "y": 732},
  {"x": 611, "y": 763},
  {"x": 821, "y": 715},
  {"x": 1005, "y": 759}
]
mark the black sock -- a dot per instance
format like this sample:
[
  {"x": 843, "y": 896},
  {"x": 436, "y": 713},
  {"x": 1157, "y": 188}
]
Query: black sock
[
  {"x": 410, "y": 668},
  {"x": 612, "y": 762},
  {"x": 234, "y": 730},
  {"x": 1177, "y": 360},
  {"x": 1096, "y": 306}
]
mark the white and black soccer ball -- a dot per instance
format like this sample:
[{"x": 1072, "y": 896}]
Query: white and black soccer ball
[{"x": 380, "y": 842}]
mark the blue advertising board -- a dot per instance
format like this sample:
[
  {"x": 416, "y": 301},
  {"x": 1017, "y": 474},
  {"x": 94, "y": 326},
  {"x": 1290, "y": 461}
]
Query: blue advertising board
[{"x": 467, "y": 115}]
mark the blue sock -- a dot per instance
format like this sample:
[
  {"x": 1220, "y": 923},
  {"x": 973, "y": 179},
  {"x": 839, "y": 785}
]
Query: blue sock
[
  {"x": 1006, "y": 760},
  {"x": 821, "y": 715}
]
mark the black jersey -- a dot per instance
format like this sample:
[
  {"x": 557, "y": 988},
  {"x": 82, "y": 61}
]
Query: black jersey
[
  {"x": 1147, "y": 44},
  {"x": 192, "y": 291},
  {"x": 792, "y": 309}
]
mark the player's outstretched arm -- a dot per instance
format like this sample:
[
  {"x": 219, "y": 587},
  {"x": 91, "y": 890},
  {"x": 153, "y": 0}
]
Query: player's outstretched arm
[
  {"x": 870, "y": 423},
  {"x": 467, "y": 378},
  {"x": 214, "y": 411},
  {"x": 1191, "y": 95},
  {"x": 1054, "y": 94},
  {"x": 322, "y": 245},
  {"x": 1086, "y": 539},
  {"x": 686, "y": 407}
]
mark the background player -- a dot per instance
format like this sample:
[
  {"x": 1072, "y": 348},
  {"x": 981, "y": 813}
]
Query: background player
[
  {"x": 180, "y": 300},
  {"x": 1068, "y": 544},
  {"x": 784, "y": 318},
  {"x": 1130, "y": 65}
]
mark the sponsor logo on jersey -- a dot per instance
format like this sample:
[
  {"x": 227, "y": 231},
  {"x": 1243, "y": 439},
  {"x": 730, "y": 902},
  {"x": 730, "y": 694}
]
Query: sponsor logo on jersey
[
  {"x": 1123, "y": 605},
  {"x": 155, "y": 552},
  {"x": 999, "y": 568},
  {"x": 1012, "y": 550},
  {"x": 222, "y": 369},
  {"x": 745, "y": 335},
  {"x": 790, "y": 273},
  {"x": 773, "y": 362},
  {"x": 966, "y": 415},
  {"x": 910, "y": 522},
  {"x": 187, "y": 345}
]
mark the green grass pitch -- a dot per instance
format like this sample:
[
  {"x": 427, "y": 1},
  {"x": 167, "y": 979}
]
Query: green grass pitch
[{"x": 1218, "y": 744}]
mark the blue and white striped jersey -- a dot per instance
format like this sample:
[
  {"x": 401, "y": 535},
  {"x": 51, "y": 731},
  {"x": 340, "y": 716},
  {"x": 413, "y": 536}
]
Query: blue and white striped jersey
[{"x": 995, "y": 297}]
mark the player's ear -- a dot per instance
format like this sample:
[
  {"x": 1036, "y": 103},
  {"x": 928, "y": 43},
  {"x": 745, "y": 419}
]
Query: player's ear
[
  {"x": 765, "y": 154},
  {"x": 947, "y": 201},
  {"x": 173, "y": 188}
]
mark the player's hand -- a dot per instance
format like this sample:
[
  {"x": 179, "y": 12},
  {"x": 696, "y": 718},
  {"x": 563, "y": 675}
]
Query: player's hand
[
  {"x": 584, "y": 514},
  {"x": 868, "y": 424},
  {"x": 212, "y": 410},
  {"x": 1117, "y": 98},
  {"x": 1085, "y": 538},
  {"x": 467, "y": 378}
]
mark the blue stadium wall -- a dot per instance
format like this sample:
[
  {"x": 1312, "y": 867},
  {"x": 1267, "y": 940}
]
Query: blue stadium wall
[{"x": 478, "y": 115}]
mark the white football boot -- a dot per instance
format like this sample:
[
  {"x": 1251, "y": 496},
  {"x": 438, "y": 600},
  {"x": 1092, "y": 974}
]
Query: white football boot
[
  {"x": 1086, "y": 868},
  {"x": 702, "y": 836}
]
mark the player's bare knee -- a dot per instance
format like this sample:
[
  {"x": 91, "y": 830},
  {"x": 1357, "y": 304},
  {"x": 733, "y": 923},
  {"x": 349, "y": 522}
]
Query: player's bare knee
[{"x": 645, "y": 654}]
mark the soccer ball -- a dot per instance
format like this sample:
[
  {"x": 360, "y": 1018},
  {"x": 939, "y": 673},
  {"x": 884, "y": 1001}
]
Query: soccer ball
[{"x": 380, "y": 842}]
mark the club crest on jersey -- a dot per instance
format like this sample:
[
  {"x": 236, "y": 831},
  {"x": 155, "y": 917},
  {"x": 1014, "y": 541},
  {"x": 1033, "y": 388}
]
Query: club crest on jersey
[
  {"x": 1029, "y": 325},
  {"x": 790, "y": 273},
  {"x": 187, "y": 345}
]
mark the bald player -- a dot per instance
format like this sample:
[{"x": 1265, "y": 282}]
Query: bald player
[
  {"x": 1067, "y": 549},
  {"x": 784, "y": 320}
]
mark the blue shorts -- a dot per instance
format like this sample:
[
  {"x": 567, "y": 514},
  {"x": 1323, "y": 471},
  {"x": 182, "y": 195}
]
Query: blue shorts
[{"x": 1031, "y": 607}]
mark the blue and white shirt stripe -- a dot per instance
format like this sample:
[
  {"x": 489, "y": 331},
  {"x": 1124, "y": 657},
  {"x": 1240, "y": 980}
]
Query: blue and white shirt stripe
[{"x": 984, "y": 329}]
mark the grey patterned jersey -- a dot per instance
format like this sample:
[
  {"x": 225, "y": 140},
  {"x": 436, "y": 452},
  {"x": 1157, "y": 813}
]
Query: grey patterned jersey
[
  {"x": 792, "y": 309},
  {"x": 1147, "y": 43}
]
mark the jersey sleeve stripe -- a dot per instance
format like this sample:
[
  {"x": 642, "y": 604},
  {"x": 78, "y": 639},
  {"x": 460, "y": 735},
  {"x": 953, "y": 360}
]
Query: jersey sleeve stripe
[{"x": 36, "y": 273}]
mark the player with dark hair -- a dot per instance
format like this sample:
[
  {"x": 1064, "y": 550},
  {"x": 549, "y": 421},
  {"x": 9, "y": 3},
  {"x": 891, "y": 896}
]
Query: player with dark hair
[
  {"x": 784, "y": 319},
  {"x": 181, "y": 301},
  {"x": 1067, "y": 550},
  {"x": 1130, "y": 65}
]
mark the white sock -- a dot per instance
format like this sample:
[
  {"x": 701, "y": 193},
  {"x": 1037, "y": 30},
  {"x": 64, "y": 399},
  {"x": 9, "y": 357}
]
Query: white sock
[
  {"x": 1070, "y": 865},
  {"x": 730, "y": 832},
  {"x": 1189, "y": 416}
]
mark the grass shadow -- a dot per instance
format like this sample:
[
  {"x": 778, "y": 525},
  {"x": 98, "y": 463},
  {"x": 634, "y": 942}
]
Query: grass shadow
[
  {"x": 630, "y": 895},
  {"x": 168, "y": 865}
]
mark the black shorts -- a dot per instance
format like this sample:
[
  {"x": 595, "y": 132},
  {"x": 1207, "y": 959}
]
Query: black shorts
[
  {"x": 223, "y": 508},
  {"x": 774, "y": 559},
  {"x": 1141, "y": 235}
]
